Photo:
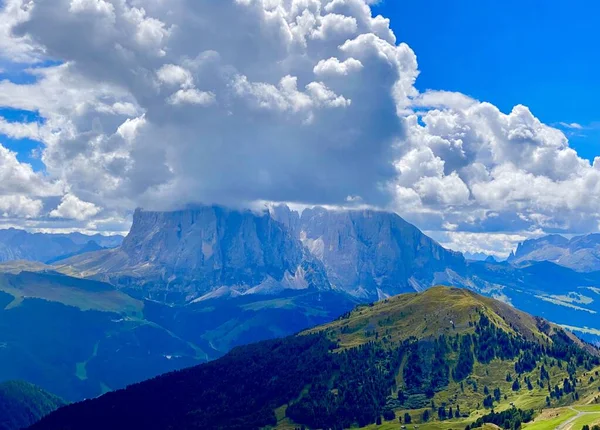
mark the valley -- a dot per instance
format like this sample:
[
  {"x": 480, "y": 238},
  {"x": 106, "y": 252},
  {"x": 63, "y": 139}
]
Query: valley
[
  {"x": 188, "y": 287},
  {"x": 445, "y": 356}
]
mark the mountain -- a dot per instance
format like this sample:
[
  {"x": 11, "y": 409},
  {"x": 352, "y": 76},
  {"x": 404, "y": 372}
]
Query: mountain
[
  {"x": 545, "y": 289},
  {"x": 22, "y": 245},
  {"x": 22, "y": 404},
  {"x": 90, "y": 246},
  {"x": 438, "y": 355},
  {"x": 479, "y": 256},
  {"x": 207, "y": 251},
  {"x": 216, "y": 253},
  {"x": 580, "y": 253},
  {"x": 111, "y": 241},
  {"x": 195, "y": 254},
  {"x": 370, "y": 254}
]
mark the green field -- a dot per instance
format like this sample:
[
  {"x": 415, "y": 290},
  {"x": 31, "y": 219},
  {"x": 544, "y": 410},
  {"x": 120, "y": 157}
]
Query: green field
[
  {"x": 568, "y": 418},
  {"x": 550, "y": 419}
]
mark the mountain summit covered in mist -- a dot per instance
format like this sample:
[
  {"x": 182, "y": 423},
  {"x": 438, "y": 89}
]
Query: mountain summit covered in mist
[{"x": 212, "y": 251}]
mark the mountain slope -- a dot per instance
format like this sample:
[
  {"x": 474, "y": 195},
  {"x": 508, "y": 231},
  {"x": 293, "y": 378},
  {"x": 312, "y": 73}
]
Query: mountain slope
[
  {"x": 183, "y": 256},
  {"x": 370, "y": 254},
  {"x": 581, "y": 253},
  {"x": 560, "y": 294},
  {"x": 402, "y": 355},
  {"x": 22, "y": 404},
  {"x": 21, "y": 245},
  {"x": 78, "y": 338}
]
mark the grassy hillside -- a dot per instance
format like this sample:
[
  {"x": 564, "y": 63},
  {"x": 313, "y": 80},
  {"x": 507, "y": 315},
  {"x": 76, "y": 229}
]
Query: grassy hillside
[
  {"x": 445, "y": 358},
  {"x": 22, "y": 404},
  {"x": 80, "y": 338}
]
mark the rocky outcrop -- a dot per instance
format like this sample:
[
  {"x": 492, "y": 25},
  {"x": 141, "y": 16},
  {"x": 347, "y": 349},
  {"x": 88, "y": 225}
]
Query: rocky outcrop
[
  {"x": 370, "y": 254},
  {"x": 205, "y": 252},
  {"x": 581, "y": 253}
]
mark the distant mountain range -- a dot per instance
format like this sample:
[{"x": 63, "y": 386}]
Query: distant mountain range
[
  {"x": 581, "y": 253},
  {"x": 444, "y": 354},
  {"x": 47, "y": 248}
]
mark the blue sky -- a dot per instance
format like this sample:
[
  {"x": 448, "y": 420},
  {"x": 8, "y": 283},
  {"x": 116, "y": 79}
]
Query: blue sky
[
  {"x": 543, "y": 54},
  {"x": 27, "y": 149}
]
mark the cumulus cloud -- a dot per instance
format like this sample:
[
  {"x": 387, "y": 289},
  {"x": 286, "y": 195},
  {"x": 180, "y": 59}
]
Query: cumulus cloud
[
  {"x": 192, "y": 96},
  {"x": 20, "y": 206},
  {"x": 333, "y": 66},
  {"x": 479, "y": 169},
  {"x": 273, "y": 109},
  {"x": 153, "y": 104},
  {"x": 72, "y": 208}
]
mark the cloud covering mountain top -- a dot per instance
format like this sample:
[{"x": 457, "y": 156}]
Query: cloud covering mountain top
[{"x": 163, "y": 104}]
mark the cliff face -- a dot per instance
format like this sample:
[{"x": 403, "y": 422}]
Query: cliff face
[
  {"x": 206, "y": 252},
  {"x": 212, "y": 251},
  {"x": 580, "y": 253},
  {"x": 371, "y": 254}
]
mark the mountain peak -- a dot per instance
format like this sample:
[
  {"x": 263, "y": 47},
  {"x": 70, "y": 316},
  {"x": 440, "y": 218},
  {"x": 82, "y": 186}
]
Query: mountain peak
[
  {"x": 581, "y": 253},
  {"x": 184, "y": 255},
  {"x": 368, "y": 254}
]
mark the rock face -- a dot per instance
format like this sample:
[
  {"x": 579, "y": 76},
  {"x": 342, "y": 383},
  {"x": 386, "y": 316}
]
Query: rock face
[
  {"x": 212, "y": 251},
  {"x": 21, "y": 245},
  {"x": 370, "y": 254},
  {"x": 581, "y": 253},
  {"x": 205, "y": 252}
]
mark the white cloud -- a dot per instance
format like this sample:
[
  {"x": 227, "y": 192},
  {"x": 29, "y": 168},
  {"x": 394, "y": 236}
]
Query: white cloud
[
  {"x": 333, "y": 66},
  {"x": 20, "y": 206},
  {"x": 100, "y": 7},
  {"x": 19, "y": 178},
  {"x": 497, "y": 244},
  {"x": 306, "y": 101},
  {"x": 72, "y": 208},
  {"x": 571, "y": 125},
  {"x": 192, "y": 96},
  {"x": 20, "y": 130},
  {"x": 20, "y": 49},
  {"x": 172, "y": 74}
]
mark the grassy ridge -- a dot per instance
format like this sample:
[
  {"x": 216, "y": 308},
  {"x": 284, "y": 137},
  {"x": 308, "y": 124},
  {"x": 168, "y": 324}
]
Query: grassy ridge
[
  {"x": 80, "y": 293},
  {"x": 444, "y": 351},
  {"x": 22, "y": 404}
]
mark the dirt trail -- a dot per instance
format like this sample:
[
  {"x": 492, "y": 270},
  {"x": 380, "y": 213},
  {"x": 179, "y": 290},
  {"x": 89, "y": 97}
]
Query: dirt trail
[{"x": 566, "y": 425}]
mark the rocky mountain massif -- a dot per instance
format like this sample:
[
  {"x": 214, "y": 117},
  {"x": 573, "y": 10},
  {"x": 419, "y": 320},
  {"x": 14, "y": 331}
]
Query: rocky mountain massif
[
  {"x": 47, "y": 248},
  {"x": 212, "y": 251},
  {"x": 444, "y": 354},
  {"x": 370, "y": 254},
  {"x": 581, "y": 253},
  {"x": 196, "y": 254}
]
